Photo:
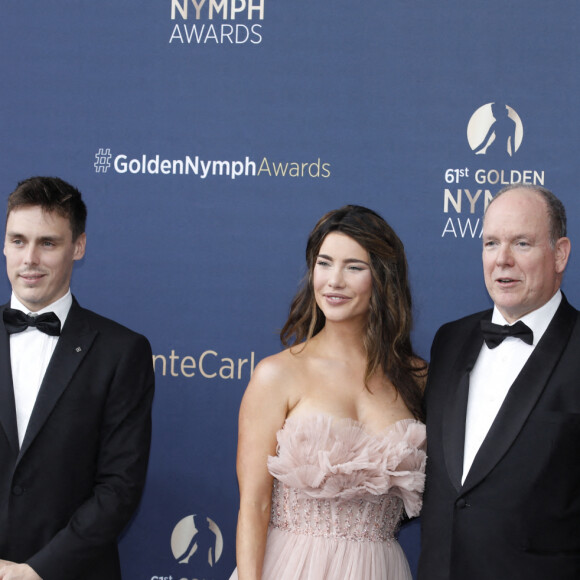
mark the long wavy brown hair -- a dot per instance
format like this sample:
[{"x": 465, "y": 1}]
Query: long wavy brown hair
[{"x": 387, "y": 336}]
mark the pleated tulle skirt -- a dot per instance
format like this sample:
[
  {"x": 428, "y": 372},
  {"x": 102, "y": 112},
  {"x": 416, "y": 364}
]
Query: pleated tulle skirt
[{"x": 291, "y": 556}]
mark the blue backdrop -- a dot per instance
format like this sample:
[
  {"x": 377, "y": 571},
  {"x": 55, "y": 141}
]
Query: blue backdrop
[{"x": 208, "y": 136}]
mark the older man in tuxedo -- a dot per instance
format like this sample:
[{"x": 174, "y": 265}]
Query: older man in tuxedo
[
  {"x": 75, "y": 402},
  {"x": 502, "y": 496}
]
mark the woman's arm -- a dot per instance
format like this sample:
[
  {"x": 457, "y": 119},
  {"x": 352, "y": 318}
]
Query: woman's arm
[{"x": 262, "y": 413}]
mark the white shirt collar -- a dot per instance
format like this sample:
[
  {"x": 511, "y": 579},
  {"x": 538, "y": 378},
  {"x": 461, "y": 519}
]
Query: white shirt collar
[
  {"x": 61, "y": 307},
  {"x": 538, "y": 320}
]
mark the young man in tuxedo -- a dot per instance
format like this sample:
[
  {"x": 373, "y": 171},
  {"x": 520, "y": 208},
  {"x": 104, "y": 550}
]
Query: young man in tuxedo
[
  {"x": 502, "y": 497},
  {"x": 75, "y": 402}
]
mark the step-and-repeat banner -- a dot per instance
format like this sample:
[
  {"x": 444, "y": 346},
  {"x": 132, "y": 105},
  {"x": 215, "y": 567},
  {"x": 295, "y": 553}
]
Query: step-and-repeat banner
[{"x": 208, "y": 136}]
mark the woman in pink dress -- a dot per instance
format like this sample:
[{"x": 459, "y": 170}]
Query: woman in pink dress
[{"x": 331, "y": 443}]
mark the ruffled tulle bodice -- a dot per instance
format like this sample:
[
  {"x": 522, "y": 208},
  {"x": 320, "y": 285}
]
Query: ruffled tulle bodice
[
  {"x": 338, "y": 496},
  {"x": 335, "y": 479}
]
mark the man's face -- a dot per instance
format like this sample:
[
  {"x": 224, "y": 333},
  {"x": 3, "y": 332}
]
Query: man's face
[
  {"x": 522, "y": 270},
  {"x": 40, "y": 253}
]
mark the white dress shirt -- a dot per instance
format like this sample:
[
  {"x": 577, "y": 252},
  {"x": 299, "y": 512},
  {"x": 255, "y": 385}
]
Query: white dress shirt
[
  {"x": 30, "y": 353},
  {"x": 494, "y": 373}
]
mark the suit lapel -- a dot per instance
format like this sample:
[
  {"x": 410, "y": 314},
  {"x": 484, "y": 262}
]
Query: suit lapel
[
  {"x": 73, "y": 345},
  {"x": 456, "y": 406},
  {"x": 523, "y": 394},
  {"x": 7, "y": 404}
]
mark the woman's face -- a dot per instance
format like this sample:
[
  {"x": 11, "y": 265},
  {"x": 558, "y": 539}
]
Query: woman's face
[{"x": 342, "y": 279}]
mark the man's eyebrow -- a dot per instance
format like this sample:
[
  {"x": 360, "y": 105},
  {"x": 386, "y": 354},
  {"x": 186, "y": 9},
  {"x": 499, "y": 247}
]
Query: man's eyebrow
[
  {"x": 55, "y": 237},
  {"x": 16, "y": 234}
]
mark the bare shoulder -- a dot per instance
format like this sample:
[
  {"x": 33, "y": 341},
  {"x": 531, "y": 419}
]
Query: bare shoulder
[
  {"x": 275, "y": 379},
  {"x": 274, "y": 367}
]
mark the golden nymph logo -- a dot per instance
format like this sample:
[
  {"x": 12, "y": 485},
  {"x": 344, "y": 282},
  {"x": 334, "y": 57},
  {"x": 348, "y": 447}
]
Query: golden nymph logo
[{"x": 216, "y": 21}]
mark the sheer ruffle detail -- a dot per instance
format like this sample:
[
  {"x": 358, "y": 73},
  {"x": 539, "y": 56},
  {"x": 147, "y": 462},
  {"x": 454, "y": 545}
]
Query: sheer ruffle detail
[{"x": 325, "y": 458}]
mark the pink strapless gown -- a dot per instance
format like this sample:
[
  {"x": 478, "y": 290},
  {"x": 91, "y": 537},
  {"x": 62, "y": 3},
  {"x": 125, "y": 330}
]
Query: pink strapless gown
[{"x": 338, "y": 497}]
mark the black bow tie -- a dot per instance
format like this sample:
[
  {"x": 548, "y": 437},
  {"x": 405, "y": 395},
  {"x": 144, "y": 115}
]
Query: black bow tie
[
  {"x": 493, "y": 334},
  {"x": 17, "y": 321}
]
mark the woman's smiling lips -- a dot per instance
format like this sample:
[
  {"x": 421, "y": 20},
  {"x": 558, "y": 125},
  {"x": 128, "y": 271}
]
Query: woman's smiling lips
[{"x": 336, "y": 299}]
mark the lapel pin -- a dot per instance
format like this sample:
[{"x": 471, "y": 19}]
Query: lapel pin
[{"x": 78, "y": 349}]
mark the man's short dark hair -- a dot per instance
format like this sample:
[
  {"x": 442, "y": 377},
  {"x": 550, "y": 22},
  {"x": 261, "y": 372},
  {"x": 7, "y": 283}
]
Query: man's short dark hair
[{"x": 52, "y": 194}]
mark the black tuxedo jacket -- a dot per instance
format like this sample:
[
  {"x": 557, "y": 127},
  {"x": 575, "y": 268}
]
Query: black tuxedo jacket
[
  {"x": 517, "y": 515},
  {"x": 71, "y": 488}
]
